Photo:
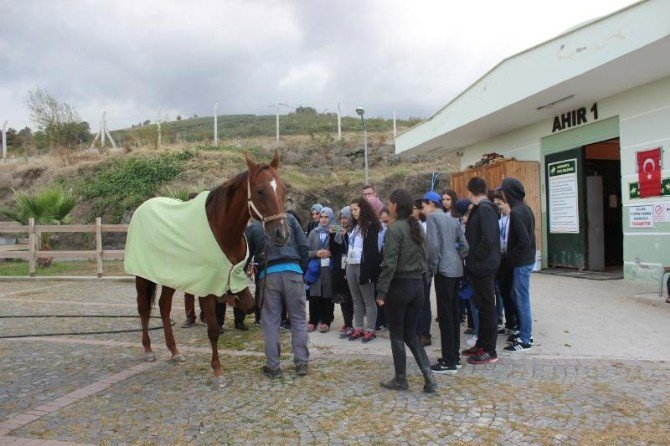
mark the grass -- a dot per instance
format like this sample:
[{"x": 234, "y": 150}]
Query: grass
[{"x": 61, "y": 268}]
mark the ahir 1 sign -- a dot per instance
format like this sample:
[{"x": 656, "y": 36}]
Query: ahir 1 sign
[{"x": 574, "y": 118}]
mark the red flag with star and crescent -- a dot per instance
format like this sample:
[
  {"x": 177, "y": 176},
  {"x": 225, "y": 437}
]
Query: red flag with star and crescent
[{"x": 649, "y": 172}]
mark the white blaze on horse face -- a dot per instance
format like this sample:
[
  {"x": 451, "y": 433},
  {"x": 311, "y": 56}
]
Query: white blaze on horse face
[{"x": 273, "y": 183}]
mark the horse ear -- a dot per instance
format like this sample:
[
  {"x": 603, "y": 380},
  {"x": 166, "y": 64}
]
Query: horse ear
[
  {"x": 275, "y": 160},
  {"x": 251, "y": 164}
]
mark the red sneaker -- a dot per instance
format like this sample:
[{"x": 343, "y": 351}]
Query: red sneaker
[
  {"x": 369, "y": 336},
  {"x": 357, "y": 334},
  {"x": 473, "y": 351},
  {"x": 311, "y": 328}
]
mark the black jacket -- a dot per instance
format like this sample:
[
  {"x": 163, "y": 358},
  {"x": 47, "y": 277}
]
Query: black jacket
[
  {"x": 337, "y": 251},
  {"x": 483, "y": 235},
  {"x": 371, "y": 260},
  {"x": 521, "y": 238}
]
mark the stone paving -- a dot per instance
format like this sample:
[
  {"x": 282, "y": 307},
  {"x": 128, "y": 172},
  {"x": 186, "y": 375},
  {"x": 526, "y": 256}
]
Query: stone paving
[{"x": 94, "y": 389}]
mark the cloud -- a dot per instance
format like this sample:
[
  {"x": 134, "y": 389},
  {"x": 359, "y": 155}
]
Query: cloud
[{"x": 130, "y": 57}]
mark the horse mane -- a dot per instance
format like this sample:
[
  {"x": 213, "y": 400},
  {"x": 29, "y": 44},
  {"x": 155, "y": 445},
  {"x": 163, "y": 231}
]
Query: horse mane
[{"x": 221, "y": 196}]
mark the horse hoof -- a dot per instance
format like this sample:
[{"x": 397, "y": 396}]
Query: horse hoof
[
  {"x": 219, "y": 383},
  {"x": 178, "y": 358},
  {"x": 149, "y": 357}
]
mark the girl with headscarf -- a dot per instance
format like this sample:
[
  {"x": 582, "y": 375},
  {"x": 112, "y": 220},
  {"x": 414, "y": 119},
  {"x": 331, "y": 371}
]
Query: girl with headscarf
[
  {"x": 321, "y": 305},
  {"x": 339, "y": 245},
  {"x": 314, "y": 215}
]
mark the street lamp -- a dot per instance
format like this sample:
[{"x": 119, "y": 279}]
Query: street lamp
[{"x": 361, "y": 112}]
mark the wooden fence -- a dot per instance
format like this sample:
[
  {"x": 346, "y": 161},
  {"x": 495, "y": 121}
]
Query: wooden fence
[{"x": 31, "y": 252}]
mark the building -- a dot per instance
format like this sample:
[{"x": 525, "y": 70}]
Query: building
[{"x": 585, "y": 105}]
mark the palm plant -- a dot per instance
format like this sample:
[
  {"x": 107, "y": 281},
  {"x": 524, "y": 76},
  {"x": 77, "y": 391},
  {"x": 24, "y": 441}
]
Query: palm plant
[{"x": 49, "y": 206}]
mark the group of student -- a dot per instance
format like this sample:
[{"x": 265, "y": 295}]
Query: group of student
[{"x": 378, "y": 263}]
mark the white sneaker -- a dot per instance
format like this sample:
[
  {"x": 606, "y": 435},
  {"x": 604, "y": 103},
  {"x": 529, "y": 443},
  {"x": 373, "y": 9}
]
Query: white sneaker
[{"x": 471, "y": 341}]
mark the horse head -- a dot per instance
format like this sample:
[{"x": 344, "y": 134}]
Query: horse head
[{"x": 265, "y": 198}]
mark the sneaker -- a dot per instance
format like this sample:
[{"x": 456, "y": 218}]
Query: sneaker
[
  {"x": 272, "y": 373},
  {"x": 517, "y": 340},
  {"x": 188, "y": 323},
  {"x": 348, "y": 332},
  {"x": 442, "y": 369},
  {"x": 344, "y": 330},
  {"x": 324, "y": 328},
  {"x": 483, "y": 358},
  {"x": 311, "y": 328},
  {"x": 517, "y": 347},
  {"x": 301, "y": 369},
  {"x": 469, "y": 331},
  {"x": 368, "y": 336},
  {"x": 380, "y": 327},
  {"x": 472, "y": 351},
  {"x": 471, "y": 341},
  {"x": 356, "y": 334}
]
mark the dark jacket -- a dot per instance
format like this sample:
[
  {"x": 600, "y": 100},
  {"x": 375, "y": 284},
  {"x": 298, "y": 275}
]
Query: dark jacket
[
  {"x": 483, "y": 235},
  {"x": 371, "y": 259},
  {"x": 294, "y": 251},
  {"x": 403, "y": 258},
  {"x": 521, "y": 237},
  {"x": 339, "y": 245},
  {"x": 323, "y": 286}
]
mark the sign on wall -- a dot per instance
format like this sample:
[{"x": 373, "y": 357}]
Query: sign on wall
[
  {"x": 642, "y": 216},
  {"x": 563, "y": 206},
  {"x": 573, "y": 118},
  {"x": 634, "y": 188}
]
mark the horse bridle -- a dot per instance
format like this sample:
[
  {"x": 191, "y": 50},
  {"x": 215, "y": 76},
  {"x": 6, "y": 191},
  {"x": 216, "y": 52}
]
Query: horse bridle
[
  {"x": 263, "y": 220},
  {"x": 252, "y": 206}
]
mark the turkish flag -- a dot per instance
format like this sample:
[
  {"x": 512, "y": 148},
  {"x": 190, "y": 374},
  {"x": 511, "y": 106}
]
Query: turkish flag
[{"x": 649, "y": 172}]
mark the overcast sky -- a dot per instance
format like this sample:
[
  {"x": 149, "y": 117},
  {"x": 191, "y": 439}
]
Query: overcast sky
[{"x": 132, "y": 57}]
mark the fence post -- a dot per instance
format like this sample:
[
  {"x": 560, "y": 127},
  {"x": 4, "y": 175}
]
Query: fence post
[
  {"x": 98, "y": 245},
  {"x": 31, "y": 241}
]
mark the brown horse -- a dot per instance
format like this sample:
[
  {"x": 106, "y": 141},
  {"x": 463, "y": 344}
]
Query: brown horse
[{"x": 257, "y": 193}]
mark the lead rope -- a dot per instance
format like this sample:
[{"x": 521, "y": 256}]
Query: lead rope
[{"x": 265, "y": 253}]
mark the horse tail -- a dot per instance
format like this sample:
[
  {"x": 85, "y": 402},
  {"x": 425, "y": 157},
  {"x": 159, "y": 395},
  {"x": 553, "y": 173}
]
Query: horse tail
[{"x": 146, "y": 290}]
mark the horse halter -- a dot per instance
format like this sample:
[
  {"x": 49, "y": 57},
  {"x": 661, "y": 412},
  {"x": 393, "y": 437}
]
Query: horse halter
[{"x": 252, "y": 206}]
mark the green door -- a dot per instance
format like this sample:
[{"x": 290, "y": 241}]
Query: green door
[{"x": 566, "y": 210}]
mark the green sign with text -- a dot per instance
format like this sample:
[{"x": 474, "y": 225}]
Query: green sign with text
[{"x": 634, "y": 188}]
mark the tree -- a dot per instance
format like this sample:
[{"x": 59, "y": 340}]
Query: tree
[
  {"x": 59, "y": 122},
  {"x": 50, "y": 206},
  {"x": 178, "y": 117}
]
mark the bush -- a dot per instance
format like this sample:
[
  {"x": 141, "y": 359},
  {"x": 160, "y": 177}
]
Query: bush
[{"x": 117, "y": 186}]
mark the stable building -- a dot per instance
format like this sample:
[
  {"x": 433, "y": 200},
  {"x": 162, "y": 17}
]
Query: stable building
[{"x": 590, "y": 109}]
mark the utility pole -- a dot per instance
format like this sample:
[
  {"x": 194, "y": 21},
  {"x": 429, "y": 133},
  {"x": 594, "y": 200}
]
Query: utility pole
[
  {"x": 394, "y": 127},
  {"x": 339, "y": 123},
  {"x": 158, "y": 123},
  {"x": 102, "y": 132},
  {"x": 4, "y": 142},
  {"x": 277, "y": 123},
  {"x": 216, "y": 126}
]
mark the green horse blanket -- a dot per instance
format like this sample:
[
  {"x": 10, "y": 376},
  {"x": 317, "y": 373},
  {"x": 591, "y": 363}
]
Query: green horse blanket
[{"x": 170, "y": 243}]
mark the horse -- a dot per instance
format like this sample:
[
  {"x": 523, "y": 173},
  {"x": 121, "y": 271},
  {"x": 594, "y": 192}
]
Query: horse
[{"x": 255, "y": 193}]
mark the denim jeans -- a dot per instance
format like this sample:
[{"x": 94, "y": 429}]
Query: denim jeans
[{"x": 522, "y": 300}]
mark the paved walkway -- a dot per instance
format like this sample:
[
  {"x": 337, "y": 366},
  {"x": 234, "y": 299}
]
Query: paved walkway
[{"x": 597, "y": 374}]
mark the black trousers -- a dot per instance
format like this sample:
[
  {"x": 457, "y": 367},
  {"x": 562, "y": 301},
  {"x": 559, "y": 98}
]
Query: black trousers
[
  {"x": 321, "y": 310},
  {"x": 347, "y": 307},
  {"x": 425, "y": 315},
  {"x": 505, "y": 278},
  {"x": 485, "y": 300},
  {"x": 238, "y": 315},
  {"x": 403, "y": 304},
  {"x": 446, "y": 292}
]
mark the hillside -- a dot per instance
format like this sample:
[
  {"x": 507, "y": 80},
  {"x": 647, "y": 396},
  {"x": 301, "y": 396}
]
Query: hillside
[
  {"x": 304, "y": 121},
  {"x": 315, "y": 169}
]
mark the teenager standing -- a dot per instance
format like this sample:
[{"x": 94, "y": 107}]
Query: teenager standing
[{"x": 400, "y": 290}]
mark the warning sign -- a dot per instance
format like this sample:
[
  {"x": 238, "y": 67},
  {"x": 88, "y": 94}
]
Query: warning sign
[
  {"x": 659, "y": 213},
  {"x": 642, "y": 216}
]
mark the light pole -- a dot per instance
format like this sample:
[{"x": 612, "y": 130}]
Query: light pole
[{"x": 361, "y": 113}]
